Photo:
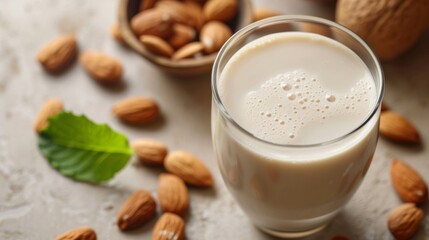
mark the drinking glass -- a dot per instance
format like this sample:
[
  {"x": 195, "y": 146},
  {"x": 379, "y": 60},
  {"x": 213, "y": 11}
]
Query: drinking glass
[{"x": 289, "y": 190}]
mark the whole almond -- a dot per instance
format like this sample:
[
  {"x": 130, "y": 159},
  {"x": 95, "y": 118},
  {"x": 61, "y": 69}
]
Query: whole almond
[
  {"x": 49, "y": 109},
  {"x": 409, "y": 185},
  {"x": 116, "y": 34},
  {"x": 136, "y": 110},
  {"x": 397, "y": 128},
  {"x": 101, "y": 67},
  {"x": 58, "y": 53},
  {"x": 157, "y": 45},
  {"x": 262, "y": 13},
  {"x": 146, "y": 4},
  {"x": 80, "y": 233},
  {"x": 189, "y": 50},
  {"x": 404, "y": 220},
  {"x": 220, "y": 10},
  {"x": 189, "y": 168},
  {"x": 138, "y": 209},
  {"x": 172, "y": 194},
  {"x": 169, "y": 227},
  {"x": 182, "y": 35},
  {"x": 196, "y": 14},
  {"x": 177, "y": 11},
  {"x": 150, "y": 152},
  {"x": 213, "y": 35},
  {"x": 152, "y": 22}
]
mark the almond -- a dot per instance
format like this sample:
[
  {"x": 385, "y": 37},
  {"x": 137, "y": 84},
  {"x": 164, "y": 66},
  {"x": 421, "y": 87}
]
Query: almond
[
  {"x": 172, "y": 194},
  {"x": 262, "y": 13},
  {"x": 138, "y": 209},
  {"x": 189, "y": 168},
  {"x": 213, "y": 35},
  {"x": 182, "y": 35},
  {"x": 404, "y": 220},
  {"x": 136, "y": 110},
  {"x": 58, "y": 53},
  {"x": 408, "y": 184},
  {"x": 221, "y": 10},
  {"x": 116, "y": 34},
  {"x": 169, "y": 227},
  {"x": 196, "y": 14},
  {"x": 101, "y": 67},
  {"x": 177, "y": 11},
  {"x": 80, "y": 233},
  {"x": 397, "y": 128},
  {"x": 146, "y": 4},
  {"x": 150, "y": 152},
  {"x": 157, "y": 45},
  {"x": 152, "y": 22},
  {"x": 187, "y": 51},
  {"x": 49, "y": 109}
]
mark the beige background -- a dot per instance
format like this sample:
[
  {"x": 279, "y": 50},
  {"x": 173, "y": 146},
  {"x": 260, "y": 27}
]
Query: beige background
[{"x": 38, "y": 203}]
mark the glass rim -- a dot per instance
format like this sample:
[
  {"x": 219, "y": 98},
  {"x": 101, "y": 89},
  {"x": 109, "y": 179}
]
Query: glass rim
[{"x": 293, "y": 18}]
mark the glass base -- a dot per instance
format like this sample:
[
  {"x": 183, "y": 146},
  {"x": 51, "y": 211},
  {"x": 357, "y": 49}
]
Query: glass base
[{"x": 300, "y": 234}]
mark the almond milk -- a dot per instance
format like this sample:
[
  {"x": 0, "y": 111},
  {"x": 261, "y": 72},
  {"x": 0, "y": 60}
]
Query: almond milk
[{"x": 298, "y": 95}]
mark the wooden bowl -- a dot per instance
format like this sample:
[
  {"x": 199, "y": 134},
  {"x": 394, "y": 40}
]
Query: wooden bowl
[{"x": 184, "y": 67}]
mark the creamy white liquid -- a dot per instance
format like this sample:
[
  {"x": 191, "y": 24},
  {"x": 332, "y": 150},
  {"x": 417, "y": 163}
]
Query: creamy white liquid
[
  {"x": 294, "y": 88},
  {"x": 297, "y": 88}
]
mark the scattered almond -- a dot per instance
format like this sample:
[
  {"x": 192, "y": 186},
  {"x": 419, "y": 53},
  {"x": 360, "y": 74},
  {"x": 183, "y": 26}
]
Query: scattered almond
[
  {"x": 221, "y": 10},
  {"x": 116, "y": 34},
  {"x": 152, "y": 22},
  {"x": 136, "y": 110},
  {"x": 408, "y": 184},
  {"x": 213, "y": 35},
  {"x": 172, "y": 194},
  {"x": 157, "y": 45},
  {"x": 101, "y": 67},
  {"x": 138, "y": 209},
  {"x": 58, "y": 53},
  {"x": 397, "y": 128},
  {"x": 169, "y": 227},
  {"x": 404, "y": 220},
  {"x": 182, "y": 35},
  {"x": 262, "y": 13},
  {"x": 49, "y": 109},
  {"x": 80, "y": 233},
  {"x": 189, "y": 50},
  {"x": 189, "y": 168},
  {"x": 150, "y": 152}
]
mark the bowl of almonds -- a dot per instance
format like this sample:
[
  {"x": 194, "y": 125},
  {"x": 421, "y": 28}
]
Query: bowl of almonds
[{"x": 181, "y": 37}]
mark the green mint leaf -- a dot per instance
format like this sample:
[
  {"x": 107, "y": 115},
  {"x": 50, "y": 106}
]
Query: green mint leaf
[{"x": 82, "y": 149}]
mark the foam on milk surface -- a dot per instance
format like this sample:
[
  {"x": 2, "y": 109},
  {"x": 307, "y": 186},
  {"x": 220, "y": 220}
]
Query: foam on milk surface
[{"x": 297, "y": 88}]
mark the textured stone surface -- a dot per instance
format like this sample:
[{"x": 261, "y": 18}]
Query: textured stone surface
[{"x": 38, "y": 203}]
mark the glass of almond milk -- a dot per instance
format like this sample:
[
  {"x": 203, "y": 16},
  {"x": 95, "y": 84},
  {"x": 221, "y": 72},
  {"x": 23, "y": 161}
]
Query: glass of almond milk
[{"x": 296, "y": 105}]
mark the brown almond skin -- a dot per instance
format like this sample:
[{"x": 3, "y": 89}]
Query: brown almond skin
[
  {"x": 157, "y": 45},
  {"x": 395, "y": 127},
  {"x": 101, "y": 67},
  {"x": 80, "y": 233},
  {"x": 408, "y": 184},
  {"x": 404, "y": 220},
  {"x": 220, "y": 10},
  {"x": 138, "y": 209},
  {"x": 168, "y": 227},
  {"x": 181, "y": 36},
  {"x": 57, "y": 54},
  {"x": 262, "y": 13},
  {"x": 152, "y": 22},
  {"x": 213, "y": 35},
  {"x": 49, "y": 109},
  {"x": 136, "y": 110},
  {"x": 177, "y": 11},
  {"x": 188, "y": 51},
  {"x": 172, "y": 194},
  {"x": 150, "y": 152},
  {"x": 390, "y": 27},
  {"x": 189, "y": 168}
]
